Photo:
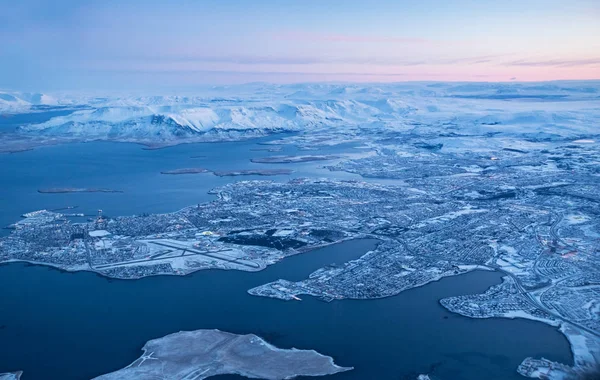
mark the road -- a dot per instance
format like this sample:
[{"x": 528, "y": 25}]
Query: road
[{"x": 533, "y": 301}]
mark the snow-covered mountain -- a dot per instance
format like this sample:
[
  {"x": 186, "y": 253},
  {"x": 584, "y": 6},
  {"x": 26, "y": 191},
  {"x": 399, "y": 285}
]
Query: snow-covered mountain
[
  {"x": 544, "y": 110},
  {"x": 23, "y": 101}
]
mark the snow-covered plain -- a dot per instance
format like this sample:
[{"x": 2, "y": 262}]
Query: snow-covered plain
[{"x": 536, "y": 111}]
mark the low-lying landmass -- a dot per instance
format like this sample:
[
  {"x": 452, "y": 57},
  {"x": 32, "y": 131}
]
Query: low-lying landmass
[
  {"x": 260, "y": 172},
  {"x": 231, "y": 173},
  {"x": 292, "y": 159},
  {"x": 185, "y": 171},
  {"x": 60, "y": 190},
  {"x": 274, "y": 149},
  {"x": 203, "y": 353}
]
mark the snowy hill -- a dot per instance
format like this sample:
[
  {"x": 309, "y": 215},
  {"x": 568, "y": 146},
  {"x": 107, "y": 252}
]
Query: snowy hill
[
  {"x": 538, "y": 110},
  {"x": 23, "y": 101}
]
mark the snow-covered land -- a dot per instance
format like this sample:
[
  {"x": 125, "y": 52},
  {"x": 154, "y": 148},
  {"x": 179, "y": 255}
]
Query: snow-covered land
[
  {"x": 554, "y": 110},
  {"x": 24, "y": 102}
]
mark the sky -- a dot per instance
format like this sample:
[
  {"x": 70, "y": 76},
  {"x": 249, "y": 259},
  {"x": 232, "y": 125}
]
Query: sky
[{"x": 109, "y": 44}]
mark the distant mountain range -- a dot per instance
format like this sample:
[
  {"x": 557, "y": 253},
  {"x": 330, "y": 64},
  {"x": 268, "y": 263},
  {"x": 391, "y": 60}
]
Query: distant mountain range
[
  {"x": 541, "y": 110},
  {"x": 23, "y": 101}
]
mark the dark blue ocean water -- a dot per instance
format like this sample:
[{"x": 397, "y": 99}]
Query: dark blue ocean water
[{"x": 57, "y": 325}]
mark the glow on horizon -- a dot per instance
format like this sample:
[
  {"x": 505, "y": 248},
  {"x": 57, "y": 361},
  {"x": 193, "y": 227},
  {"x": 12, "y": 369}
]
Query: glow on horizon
[{"x": 67, "y": 43}]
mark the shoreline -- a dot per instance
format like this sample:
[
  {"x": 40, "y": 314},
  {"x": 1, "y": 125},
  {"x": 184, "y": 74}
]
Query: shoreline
[
  {"x": 28, "y": 142},
  {"x": 101, "y": 274},
  {"x": 211, "y": 358}
]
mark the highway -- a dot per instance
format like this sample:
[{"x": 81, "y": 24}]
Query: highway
[{"x": 533, "y": 301}]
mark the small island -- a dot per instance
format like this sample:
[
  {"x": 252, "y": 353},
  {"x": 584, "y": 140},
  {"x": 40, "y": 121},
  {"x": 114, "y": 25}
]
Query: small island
[
  {"x": 203, "y": 353},
  {"x": 60, "y": 190},
  {"x": 276, "y": 149},
  {"x": 185, "y": 171},
  {"x": 261, "y": 172},
  {"x": 292, "y": 159}
]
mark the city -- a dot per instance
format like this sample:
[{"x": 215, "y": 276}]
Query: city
[{"x": 452, "y": 215}]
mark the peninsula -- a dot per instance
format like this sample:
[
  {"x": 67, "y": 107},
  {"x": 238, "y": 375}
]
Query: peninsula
[
  {"x": 261, "y": 172},
  {"x": 185, "y": 171},
  {"x": 292, "y": 159}
]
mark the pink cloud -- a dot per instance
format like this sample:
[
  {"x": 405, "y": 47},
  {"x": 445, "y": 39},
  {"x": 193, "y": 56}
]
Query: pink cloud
[
  {"x": 556, "y": 62},
  {"x": 307, "y": 36}
]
